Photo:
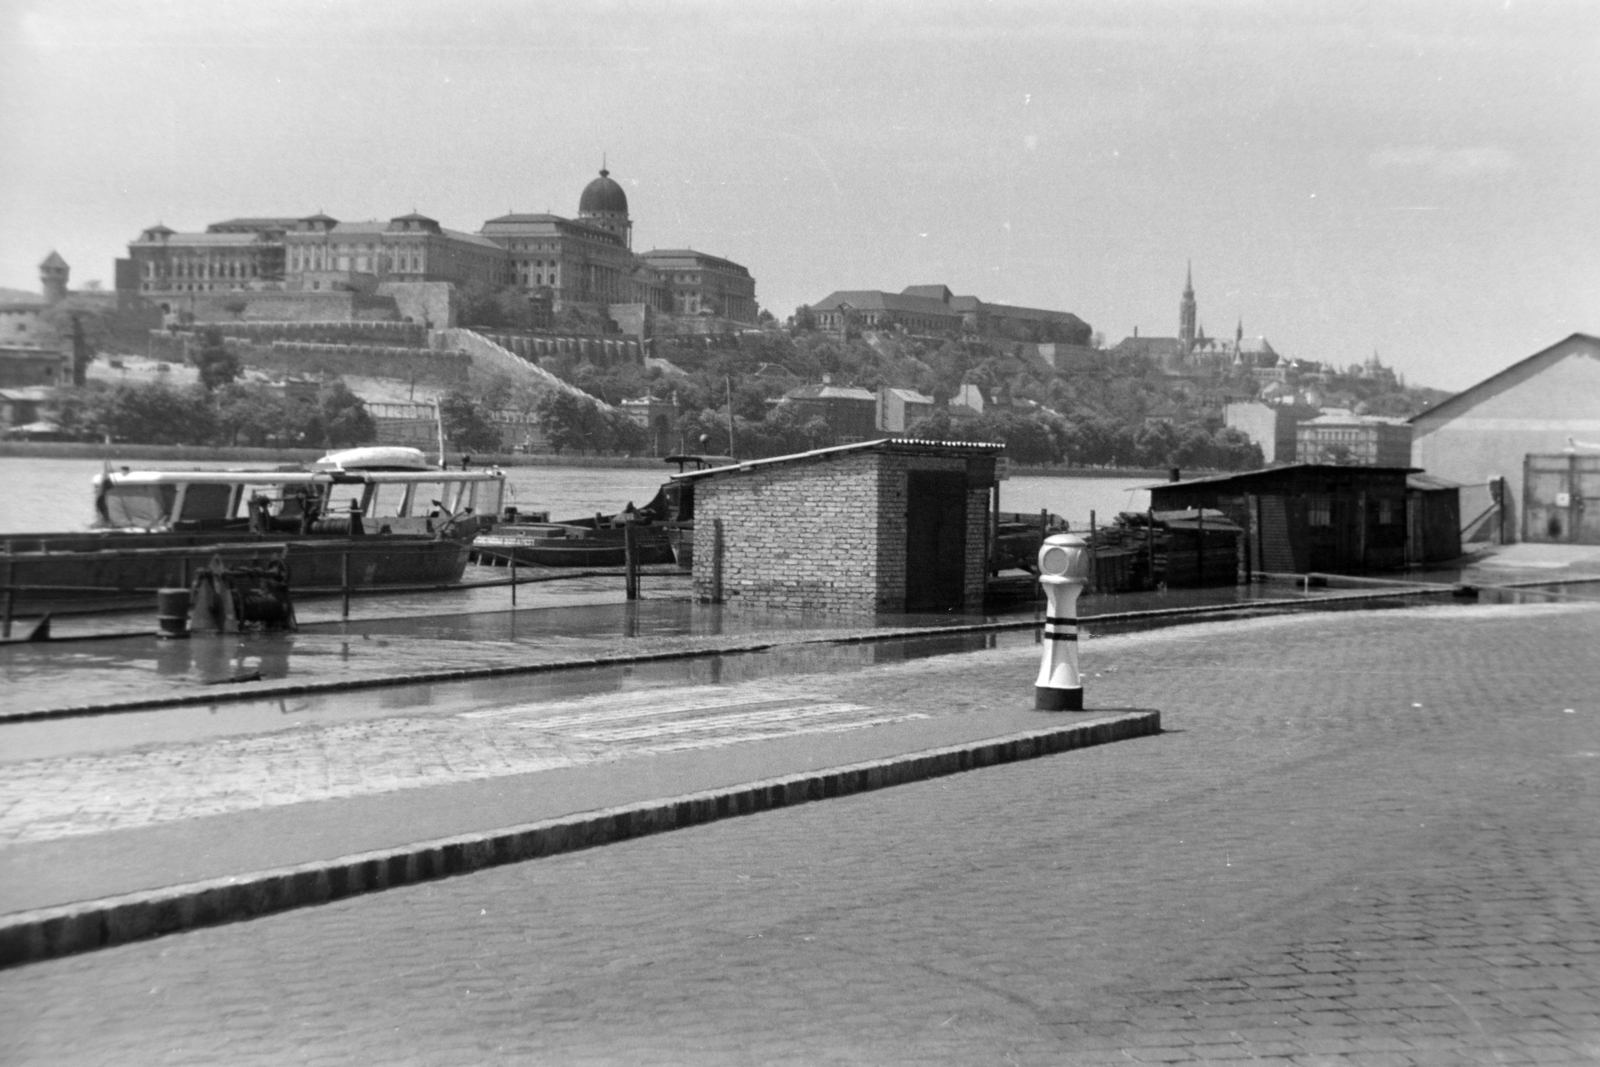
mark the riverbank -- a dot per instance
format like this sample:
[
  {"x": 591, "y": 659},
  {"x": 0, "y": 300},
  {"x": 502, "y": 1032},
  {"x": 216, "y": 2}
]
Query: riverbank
[{"x": 240, "y": 454}]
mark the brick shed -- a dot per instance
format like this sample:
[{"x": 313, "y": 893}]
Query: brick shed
[{"x": 895, "y": 525}]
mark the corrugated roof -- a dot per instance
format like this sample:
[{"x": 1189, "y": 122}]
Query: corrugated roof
[
  {"x": 1212, "y": 479},
  {"x": 912, "y": 444}
]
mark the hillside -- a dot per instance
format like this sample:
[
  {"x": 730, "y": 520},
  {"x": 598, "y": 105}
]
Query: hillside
[{"x": 1096, "y": 407}]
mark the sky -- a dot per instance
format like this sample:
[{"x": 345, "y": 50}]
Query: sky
[{"x": 1419, "y": 179}]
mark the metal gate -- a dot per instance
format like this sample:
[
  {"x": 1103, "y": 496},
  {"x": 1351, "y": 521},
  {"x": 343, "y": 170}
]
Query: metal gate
[{"x": 1561, "y": 499}]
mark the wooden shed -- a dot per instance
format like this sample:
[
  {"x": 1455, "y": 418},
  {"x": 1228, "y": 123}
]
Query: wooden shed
[
  {"x": 894, "y": 525},
  {"x": 1308, "y": 516}
]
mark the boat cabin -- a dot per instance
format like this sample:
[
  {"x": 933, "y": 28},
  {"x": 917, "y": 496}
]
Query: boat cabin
[{"x": 341, "y": 494}]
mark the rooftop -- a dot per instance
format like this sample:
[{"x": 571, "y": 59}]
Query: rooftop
[{"x": 883, "y": 444}]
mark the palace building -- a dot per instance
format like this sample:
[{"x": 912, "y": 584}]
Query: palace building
[
  {"x": 934, "y": 309},
  {"x": 587, "y": 260}
]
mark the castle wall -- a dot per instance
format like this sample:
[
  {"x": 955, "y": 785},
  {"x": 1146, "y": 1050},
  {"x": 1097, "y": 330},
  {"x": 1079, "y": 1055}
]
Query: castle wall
[{"x": 425, "y": 368}]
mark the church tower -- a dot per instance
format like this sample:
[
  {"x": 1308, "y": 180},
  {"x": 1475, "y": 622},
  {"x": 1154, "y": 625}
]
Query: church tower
[{"x": 1186, "y": 313}]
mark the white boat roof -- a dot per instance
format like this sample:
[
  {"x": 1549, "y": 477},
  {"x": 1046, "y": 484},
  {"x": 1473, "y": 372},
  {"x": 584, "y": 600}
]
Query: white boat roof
[
  {"x": 375, "y": 457},
  {"x": 295, "y": 477}
]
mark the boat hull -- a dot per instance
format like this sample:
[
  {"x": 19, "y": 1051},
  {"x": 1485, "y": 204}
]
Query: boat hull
[
  {"x": 87, "y": 573},
  {"x": 572, "y": 545}
]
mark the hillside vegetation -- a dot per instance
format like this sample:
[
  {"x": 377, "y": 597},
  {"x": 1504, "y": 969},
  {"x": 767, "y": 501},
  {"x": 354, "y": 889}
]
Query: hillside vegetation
[{"x": 1103, "y": 409}]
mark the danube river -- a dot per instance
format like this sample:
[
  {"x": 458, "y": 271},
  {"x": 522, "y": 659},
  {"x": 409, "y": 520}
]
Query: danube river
[{"x": 39, "y": 495}]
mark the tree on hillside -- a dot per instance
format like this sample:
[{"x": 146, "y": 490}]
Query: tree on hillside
[
  {"x": 465, "y": 426},
  {"x": 570, "y": 422},
  {"x": 252, "y": 414},
  {"x": 153, "y": 414},
  {"x": 344, "y": 417},
  {"x": 565, "y": 420},
  {"x": 217, "y": 365},
  {"x": 79, "y": 325}
]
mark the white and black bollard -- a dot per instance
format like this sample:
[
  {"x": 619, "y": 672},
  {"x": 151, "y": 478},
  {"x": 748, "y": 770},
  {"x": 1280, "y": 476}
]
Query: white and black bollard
[{"x": 1063, "y": 570}]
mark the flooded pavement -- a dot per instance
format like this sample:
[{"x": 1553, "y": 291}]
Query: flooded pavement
[
  {"x": 404, "y": 636},
  {"x": 449, "y": 649}
]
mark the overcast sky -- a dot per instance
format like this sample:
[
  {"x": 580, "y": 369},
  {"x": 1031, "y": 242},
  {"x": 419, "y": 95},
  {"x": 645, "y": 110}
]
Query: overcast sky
[{"x": 1422, "y": 179}]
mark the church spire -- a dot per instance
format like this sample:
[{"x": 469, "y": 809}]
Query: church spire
[{"x": 1186, "y": 312}]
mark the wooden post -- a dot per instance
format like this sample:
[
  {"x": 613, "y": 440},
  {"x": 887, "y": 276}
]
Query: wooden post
[
  {"x": 11, "y": 578},
  {"x": 1150, "y": 542},
  {"x": 1501, "y": 501},
  {"x": 994, "y": 530},
  {"x": 630, "y": 560},
  {"x": 513, "y": 558},
  {"x": 344, "y": 583},
  {"x": 1252, "y": 556},
  {"x": 1094, "y": 569},
  {"x": 1241, "y": 555},
  {"x": 716, "y": 561}
]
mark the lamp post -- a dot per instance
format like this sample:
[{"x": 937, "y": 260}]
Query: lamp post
[{"x": 1063, "y": 570}]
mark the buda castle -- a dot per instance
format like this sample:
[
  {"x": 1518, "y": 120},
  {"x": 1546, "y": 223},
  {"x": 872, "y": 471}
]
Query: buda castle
[{"x": 586, "y": 261}]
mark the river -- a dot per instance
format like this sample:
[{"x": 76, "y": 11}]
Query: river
[{"x": 39, "y": 495}]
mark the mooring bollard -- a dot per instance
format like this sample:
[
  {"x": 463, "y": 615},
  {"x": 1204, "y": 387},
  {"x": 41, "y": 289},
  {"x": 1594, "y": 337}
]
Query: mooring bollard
[
  {"x": 172, "y": 613},
  {"x": 1063, "y": 569}
]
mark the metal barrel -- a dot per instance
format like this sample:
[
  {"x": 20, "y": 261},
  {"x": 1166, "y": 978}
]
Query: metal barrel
[{"x": 172, "y": 613}]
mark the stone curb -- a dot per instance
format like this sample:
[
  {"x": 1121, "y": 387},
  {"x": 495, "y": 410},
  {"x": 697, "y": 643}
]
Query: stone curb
[
  {"x": 460, "y": 674},
  {"x": 67, "y": 929}
]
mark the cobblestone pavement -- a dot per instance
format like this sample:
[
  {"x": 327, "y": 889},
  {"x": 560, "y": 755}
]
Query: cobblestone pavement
[
  {"x": 1367, "y": 839},
  {"x": 44, "y": 799}
]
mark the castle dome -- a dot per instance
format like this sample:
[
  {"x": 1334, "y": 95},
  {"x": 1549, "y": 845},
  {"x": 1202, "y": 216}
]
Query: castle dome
[{"x": 603, "y": 196}]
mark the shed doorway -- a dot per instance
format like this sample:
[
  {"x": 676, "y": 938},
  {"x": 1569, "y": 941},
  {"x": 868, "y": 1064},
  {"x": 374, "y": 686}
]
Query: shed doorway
[{"x": 936, "y": 540}]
